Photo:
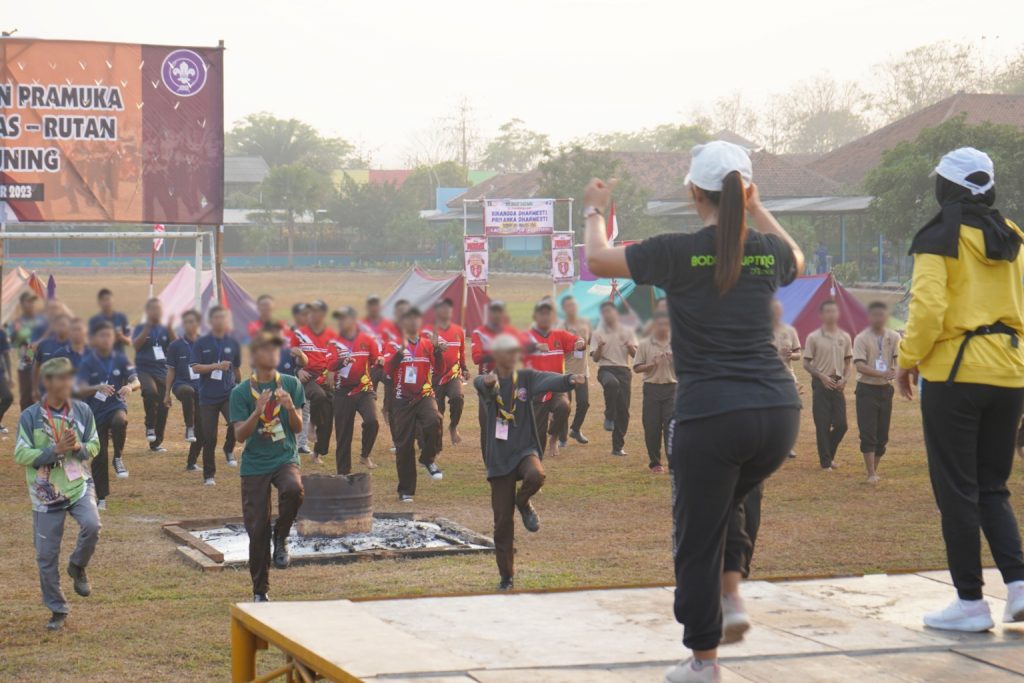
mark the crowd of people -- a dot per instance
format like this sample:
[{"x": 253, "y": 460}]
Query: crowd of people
[{"x": 719, "y": 393}]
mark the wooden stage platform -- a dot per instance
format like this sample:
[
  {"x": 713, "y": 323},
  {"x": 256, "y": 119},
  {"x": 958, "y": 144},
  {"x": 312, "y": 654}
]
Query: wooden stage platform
[{"x": 833, "y": 630}]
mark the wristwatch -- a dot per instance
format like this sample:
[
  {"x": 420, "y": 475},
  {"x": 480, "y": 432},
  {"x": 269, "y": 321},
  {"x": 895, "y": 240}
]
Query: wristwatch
[{"x": 592, "y": 211}]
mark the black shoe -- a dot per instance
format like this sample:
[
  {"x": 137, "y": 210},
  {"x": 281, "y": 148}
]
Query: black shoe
[
  {"x": 56, "y": 621},
  {"x": 281, "y": 557},
  {"x": 530, "y": 519},
  {"x": 609, "y": 426},
  {"x": 157, "y": 449},
  {"x": 578, "y": 437},
  {"x": 260, "y": 597},
  {"x": 619, "y": 453},
  {"x": 505, "y": 585},
  {"x": 80, "y": 580},
  {"x": 305, "y": 450}
]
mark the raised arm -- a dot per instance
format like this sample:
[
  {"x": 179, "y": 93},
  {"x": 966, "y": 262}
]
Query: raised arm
[{"x": 603, "y": 259}]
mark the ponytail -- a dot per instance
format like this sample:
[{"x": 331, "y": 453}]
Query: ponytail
[{"x": 731, "y": 232}]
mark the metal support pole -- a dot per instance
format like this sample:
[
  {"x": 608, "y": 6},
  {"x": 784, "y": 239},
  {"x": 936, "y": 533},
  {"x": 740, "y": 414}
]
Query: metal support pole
[
  {"x": 3, "y": 255},
  {"x": 199, "y": 274},
  {"x": 842, "y": 238},
  {"x": 218, "y": 261},
  {"x": 881, "y": 258}
]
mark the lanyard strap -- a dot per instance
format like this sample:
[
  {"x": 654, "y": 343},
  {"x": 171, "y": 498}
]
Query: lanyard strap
[
  {"x": 506, "y": 415},
  {"x": 63, "y": 413}
]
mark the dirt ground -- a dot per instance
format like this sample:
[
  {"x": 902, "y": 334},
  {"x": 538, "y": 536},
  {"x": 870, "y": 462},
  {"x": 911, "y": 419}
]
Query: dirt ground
[{"x": 605, "y": 521}]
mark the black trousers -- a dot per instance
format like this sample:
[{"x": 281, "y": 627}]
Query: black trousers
[
  {"x": 114, "y": 428},
  {"x": 408, "y": 418},
  {"x": 153, "y": 405},
  {"x": 6, "y": 397},
  {"x": 659, "y": 404},
  {"x": 346, "y": 407},
  {"x": 450, "y": 394},
  {"x": 256, "y": 511},
  {"x": 25, "y": 387},
  {"x": 828, "y": 408},
  {"x": 321, "y": 414},
  {"x": 209, "y": 417},
  {"x": 551, "y": 416},
  {"x": 742, "y": 537},
  {"x": 616, "y": 382},
  {"x": 716, "y": 462},
  {"x": 505, "y": 500},
  {"x": 580, "y": 395},
  {"x": 969, "y": 433},
  {"x": 874, "y": 412},
  {"x": 186, "y": 395}
]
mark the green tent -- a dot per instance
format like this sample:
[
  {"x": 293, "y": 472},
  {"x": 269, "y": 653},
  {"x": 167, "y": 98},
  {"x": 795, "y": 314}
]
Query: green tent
[{"x": 631, "y": 298}]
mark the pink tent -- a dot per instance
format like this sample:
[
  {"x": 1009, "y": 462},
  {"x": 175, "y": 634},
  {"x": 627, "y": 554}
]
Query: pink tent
[
  {"x": 801, "y": 299},
  {"x": 179, "y": 296}
]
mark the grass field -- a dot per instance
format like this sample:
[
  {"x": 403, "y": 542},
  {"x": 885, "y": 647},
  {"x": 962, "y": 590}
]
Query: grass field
[{"x": 606, "y": 521}]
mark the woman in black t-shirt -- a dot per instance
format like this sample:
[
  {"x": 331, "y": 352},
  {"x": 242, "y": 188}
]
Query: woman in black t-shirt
[{"x": 737, "y": 410}]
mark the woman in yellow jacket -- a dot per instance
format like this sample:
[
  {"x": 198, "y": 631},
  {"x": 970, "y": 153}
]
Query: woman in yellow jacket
[{"x": 964, "y": 340}]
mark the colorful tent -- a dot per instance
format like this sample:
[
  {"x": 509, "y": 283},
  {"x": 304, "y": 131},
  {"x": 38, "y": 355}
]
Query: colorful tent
[
  {"x": 801, "y": 299},
  {"x": 424, "y": 290},
  {"x": 179, "y": 296},
  {"x": 632, "y": 299},
  {"x": 16, "y": 281}
]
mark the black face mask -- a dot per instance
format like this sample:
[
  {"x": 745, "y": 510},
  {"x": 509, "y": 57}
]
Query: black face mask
[{"x": 941, "y": 235}]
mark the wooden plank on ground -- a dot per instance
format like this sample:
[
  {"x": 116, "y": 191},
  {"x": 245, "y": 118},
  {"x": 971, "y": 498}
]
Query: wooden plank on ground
[
  {"x": 185, "y": 538},
  {"x": 940, "y": 667},
  {"x": 1007, "y": 658},
  {"x": 195, "y": 557}
]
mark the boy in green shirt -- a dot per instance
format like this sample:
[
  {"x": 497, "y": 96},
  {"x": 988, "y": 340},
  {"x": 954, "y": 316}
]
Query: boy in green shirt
[{"x": 266, "y": 410}]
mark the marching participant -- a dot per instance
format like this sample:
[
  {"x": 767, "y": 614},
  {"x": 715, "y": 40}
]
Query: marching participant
[
  {"x": 107, "y": 313},
  {"x": 105, "y": 380},
  {"x": 654, "y": 361},
  {"x": 827, "y": 359},
  {"x": 513, "y": 449},
  {"x": 453, "y": 367},
  {"x": 23, "y": 332},
  {"x": 315, "y": 341},
  {"x": 482, "y": 340},
  {"x": 217, "y": 360},
  {"x": 376, "y": 325},
  {"x": 55, "y": 343},
  {"x": 787, "y": 344},
  {"x": 577, "y": 364},
  {"x": 182, "y": 382},
  {"x": 265, "y": 308},
  {"x": 300, "y": 316},
  {"x": 78, "y": 343},
  {"x": 411, "y": 365},
  {"x": 56, "y": 440},
  {"x": 874, "y": 356},
  {"x": 546, "y": 351},
  {"x": 266, "y": 410},
  {"x": 356, "y": 355},
  {"x": 612, "y": 345},
  {"x": 151, "y": 341}
]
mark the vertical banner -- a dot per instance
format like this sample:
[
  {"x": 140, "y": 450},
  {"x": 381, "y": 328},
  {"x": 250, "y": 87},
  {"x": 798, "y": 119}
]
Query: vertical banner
[
  {"x": 563, "y": 267},
  {"x": 476, "y": 260}
]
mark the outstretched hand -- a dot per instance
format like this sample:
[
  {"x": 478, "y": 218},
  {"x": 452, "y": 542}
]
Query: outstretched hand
[{"x": 490, "y": 379}]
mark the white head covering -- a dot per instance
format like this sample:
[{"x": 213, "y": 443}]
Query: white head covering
[
  {"x": 506, "y": 342},
  {"x": 712, "y": 161},
  {"x": 960, "y": 163}
]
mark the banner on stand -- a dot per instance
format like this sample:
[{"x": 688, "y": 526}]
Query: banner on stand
[
  {"x": 517, "y": 217},
  {"x": 563, "y": 267},
  {"x": 476, "y": 260}
]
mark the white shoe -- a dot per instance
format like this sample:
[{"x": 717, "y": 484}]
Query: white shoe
[
  {"x": 101, "y": 504},
  {"x": 119, "y": 469},
  {"x": 151, "y": 435},
  {"x": 190, "y": 434},
  {"x": 209, "y": 482},
  {"x": 685, "y": 673},
  {"x": 735, "y": 622},
  {"x": 970, "y": 616},
  {"x": 1014, "y": 602}
]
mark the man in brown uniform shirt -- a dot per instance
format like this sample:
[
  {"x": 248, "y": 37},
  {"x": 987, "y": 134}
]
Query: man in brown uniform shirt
[
  {"x": 654, "y": 361},
  {"x": 577, "y": 364},
  {"x": 612, "y": 346},
  {"x": 874, "y": 355},
  {"x": 827, "y": 356}
]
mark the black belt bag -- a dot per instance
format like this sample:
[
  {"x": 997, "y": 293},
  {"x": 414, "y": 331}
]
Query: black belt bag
[{"x": 994, "y": 328}]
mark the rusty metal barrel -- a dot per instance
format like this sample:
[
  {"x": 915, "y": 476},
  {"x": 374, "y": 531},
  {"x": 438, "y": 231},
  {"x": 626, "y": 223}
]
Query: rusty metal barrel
[{"x": 335, "y": 505}]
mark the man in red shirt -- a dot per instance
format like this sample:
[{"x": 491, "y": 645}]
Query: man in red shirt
[
  {"x": 546, "y": 349},
  {"x": 411, "y": 365},
  {"x": 453, "y": 368},
  {"x": 356, "y": 355},
  {"x": 315, "y": 341},
  {"x": 265, "y": 306},
  {"x": 376, "y": 325}
]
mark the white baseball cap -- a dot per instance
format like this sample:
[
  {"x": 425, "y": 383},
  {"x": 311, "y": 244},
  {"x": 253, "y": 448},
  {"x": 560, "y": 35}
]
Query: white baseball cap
[
  {"x": 960, "y": 163},
  {"x": 506, "y": 342},
  {"x": 712, "y": 161}
]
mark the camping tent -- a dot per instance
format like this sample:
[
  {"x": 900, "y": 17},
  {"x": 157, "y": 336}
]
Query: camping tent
[
  {"x": 801, "y": 299},
  {"x": 179, "y": 296},
  {"x": 423, "y": 290},
  {"x": 15, "y": 282},
  {"x": 590, "y": 294}
]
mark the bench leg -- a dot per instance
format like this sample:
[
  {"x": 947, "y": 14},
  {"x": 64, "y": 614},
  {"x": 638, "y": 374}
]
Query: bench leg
[{"x": 243, "y": 653}]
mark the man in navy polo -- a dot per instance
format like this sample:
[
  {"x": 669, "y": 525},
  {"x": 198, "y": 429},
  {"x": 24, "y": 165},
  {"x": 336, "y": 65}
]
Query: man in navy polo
[
  {"x": 217, "y": 359},
  {"x": 152, "y": 341}
]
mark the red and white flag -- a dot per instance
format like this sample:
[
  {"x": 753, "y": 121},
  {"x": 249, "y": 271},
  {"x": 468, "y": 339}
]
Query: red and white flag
[
  {"x": 611, "y": 226},
  {"x": 158, "y": 241}
]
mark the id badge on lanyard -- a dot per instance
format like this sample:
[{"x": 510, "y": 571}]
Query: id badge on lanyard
[
  {"x": 158, "y": 353},
  {"x": 410, "y": 374},
  {"x": 501, "y": 430}
]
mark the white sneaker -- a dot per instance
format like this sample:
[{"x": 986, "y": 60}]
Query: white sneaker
[
  {"x": 735, "y": 622},
  {"x": 685, "y": 673},
  {"x": 151, "y": 435},
  {"x": 190, "y": 434},
  {"x": 970, "y": 616},
  {"x": 232, "y": 462},
  {"x": 119, "y": 469},
  {"x": 101, "y": 504},
  {"x": 434, "y": 471},
  {"x": 209, "y": 482},
  {"x": 1014, "y": 602}
]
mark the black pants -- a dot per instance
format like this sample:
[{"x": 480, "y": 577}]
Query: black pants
[
  {"x": 659, "y": 404},
  {"x": 408, "y": 418},
  {"x": 742, "y": 537},
  {"x": 25, "y": 387},
  {"x": 186, "y": 395},
  {"x": 346, "y": 407},
  {"x": 616, "y": 384},
  {"x": 874, "y": 412},
  {"x": 153, "y": 405},
  {"x": 209, "y": 417},
  {"x": 6, "y": 397},
  {"x": 551, "y": 416},
  {"x": 256, "y": 511},
  {"x": 321, "y": 414},
  {"x": 580, "y": 395},
  {"x": 113, "y": 428},
  {"x": 505, "y": 500},
  {"x": 969, "y": 433},
  {"x": 828, "y": 408},
  {"x": 716, "y": 462},
  {"x": 450, "y": 394}
]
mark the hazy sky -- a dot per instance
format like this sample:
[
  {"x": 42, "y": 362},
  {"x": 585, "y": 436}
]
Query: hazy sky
[{"x": 378, "y": 71}]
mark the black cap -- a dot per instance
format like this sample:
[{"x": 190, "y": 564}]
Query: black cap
[
  {"x": 444, "y": 302},
  {"x": 373, "y": 299},
  {"x": 299, "y": 308},
  {"x": 319, "y": 305},
  {"x": 412, "y": 311},
  {"x": 344, "y": 312},
  {"x": 266, "y": 338},
  {"x": 496, "y": 305},
  {"x": 544, "y": 303}
]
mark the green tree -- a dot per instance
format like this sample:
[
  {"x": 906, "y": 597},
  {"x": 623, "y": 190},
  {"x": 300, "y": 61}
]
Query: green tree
[
  {"x": 1010, "y": 78},
  {"x": 380, "y": 219},
  {"x": 419, "y": 188},
  {"x": 904, "y": 194},
  {"x": 295, "y": 190},
  {"x": 923, "y": 76},
  {"x": 516, "y": 148},
  {"x": 283, "y": 142},
  {"x": 668, "y": 137}
]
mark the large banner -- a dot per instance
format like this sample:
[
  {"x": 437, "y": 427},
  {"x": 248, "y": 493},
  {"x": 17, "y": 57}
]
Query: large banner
[
  {"x": 563, "y": 269},
  {"x": 476, "y": 260},
  {"x": 510, "y": 217},
  {"x": 111, "y": 132}
]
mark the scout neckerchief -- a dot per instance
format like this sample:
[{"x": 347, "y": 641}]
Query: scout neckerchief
[
  {"x": 45, "y": 490},
  {"x": 270, "y": 418},
  {"x": 364, "y": 380},
  {"x": 457, "y": 365},
  {"x": 508, "y": 415},
  {"x": 411, "y": 348}
]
